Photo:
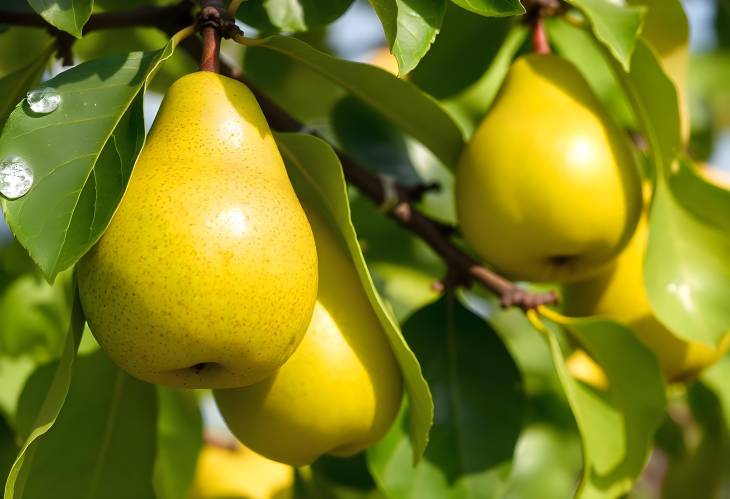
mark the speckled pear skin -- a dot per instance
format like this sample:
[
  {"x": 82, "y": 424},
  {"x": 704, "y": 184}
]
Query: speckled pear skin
[
  {"x": 340, "y": 391},
  {"x": 207, "y": 274}
]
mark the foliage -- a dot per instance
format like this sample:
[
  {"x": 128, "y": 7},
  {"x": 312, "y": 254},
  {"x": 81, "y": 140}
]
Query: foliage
[{"x": 492, "y": 408}]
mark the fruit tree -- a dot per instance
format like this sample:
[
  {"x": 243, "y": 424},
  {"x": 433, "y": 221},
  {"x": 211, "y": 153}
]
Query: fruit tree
[{"x": 338, "y": 249}]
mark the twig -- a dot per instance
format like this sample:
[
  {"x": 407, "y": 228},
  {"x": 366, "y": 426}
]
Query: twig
[{"x": 462, "y": 267}]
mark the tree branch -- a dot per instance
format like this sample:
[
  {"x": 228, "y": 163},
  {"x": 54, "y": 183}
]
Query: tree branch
[{"x": 463, "y": 269}]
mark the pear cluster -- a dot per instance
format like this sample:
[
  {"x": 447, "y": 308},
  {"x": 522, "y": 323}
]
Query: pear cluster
[
  {"x": 212, "y": 275},
  {"x": 549, "y": 190}
]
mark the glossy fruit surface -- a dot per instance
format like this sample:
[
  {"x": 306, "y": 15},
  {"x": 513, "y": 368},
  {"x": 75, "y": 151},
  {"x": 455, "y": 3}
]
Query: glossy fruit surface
[
  {"x": 548, "y": 188},
  {"x": 340, "y": 391},
  {"x": 207, "y": 274}
]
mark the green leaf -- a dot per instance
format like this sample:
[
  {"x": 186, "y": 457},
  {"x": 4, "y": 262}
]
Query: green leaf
[
  {"x": 103, "y": 442},
  {"x": 179, "y": 440},
  {"x": 317, "y": 176},
  {"x": 66, "y": 15},
  {"x": 34, "y": 41},
  {"x": 410, "y": 27},
  {"x": 14, "y": 86},
  {"x": 34, "y": 317},
  {"x": 400, "y": 102},
  {"x": 686, "y": 270},
  {"x": 81, "y": 155},
  {"x": 617, "y": 425},
  {"x": 617, "y": 26},
  {"x": 581, "y": 48},
  {"x": 479, "y": 410},
  {"x": 291, "y": 15},
  {"x": 8, "y": 449},
  {"x": 492, "y": 7},
  {"x": 50, "y": 400},
  {"x": 453, "y": 52},
  {"x": 470, "y": 106},
  {"x": 716, "y": 377}
]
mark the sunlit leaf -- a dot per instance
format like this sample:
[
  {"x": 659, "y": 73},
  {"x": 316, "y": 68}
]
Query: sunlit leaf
[
  {"x": 617, "y": 26},
  {"x": 617, "y": 423},
  {"x": 66, "y": 15},
  {"x": 81, "y": 155},
  {"x": 410, "y": 27}
]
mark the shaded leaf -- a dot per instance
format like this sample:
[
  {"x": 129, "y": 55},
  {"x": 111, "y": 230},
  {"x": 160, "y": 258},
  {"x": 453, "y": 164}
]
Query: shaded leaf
[
  {"x": 410, "y": 27},
  {"x": 400, "y": 102},
  {"x": 14, "y": 85},
  {"x": 617, "y": 26},
  {"x": 33, "y": 424},
  {"x": 81, "y": 155},
  {"x": 66, "y": 15},
  {"x": 179, "y": 440},
  {"x": 290, "y": 15},
  {"x": 106, "y": 428},
  {"x": 317, "y": 176},
  {"x": 479, "y": 410},
  {"x": 617, "y": 425}
]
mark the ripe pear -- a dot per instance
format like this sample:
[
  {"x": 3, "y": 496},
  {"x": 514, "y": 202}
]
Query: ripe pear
[
  {"x": 240, "y": 473},
  {"x": 207, "y": 274},
  {"x": 548, "y": 188},
  {"x": 340, "y": 391},
  {"x": 582, "y": 367},
  {"x": 619, "y": 294}
]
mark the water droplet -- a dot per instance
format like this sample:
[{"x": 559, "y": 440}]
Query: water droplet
[
  {"x": 43, "y": 100},
  {"x": 16, "y": 178}
]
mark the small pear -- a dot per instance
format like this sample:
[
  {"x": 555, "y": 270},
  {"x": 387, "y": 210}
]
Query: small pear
[
  {"x": 340, "y": 391},
  {"x": 240, "y": 473},
  {"x": 548, "y": 189},
  {"x": 207, "y": 274},
  {"x": 619, "y": 294}
]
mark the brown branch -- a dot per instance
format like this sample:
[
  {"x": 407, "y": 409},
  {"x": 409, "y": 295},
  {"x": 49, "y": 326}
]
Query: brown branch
[{"x": 462, "y": 267}]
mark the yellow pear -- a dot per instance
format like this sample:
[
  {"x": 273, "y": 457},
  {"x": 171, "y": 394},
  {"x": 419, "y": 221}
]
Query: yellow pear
[
  {"x": 385, "y": 61},
  {"x": 240, "y": 473},
  {"x": 342, "y": 388},
  {"x": 207, "y": 274},
  {"x": 582, "y": 367},
  {"x": 619, "y": 294},
  {"x": 548, "y": 188}
]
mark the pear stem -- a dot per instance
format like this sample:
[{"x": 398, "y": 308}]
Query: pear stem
[
  {"x": 540, "y": 43},
  {"x": 209, "y": 23}
]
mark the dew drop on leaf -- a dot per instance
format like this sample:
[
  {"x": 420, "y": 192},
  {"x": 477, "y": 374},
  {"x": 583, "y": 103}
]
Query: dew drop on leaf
[
  {"x": 43, "y": 100},
  {"x": 16, "y": 177}
]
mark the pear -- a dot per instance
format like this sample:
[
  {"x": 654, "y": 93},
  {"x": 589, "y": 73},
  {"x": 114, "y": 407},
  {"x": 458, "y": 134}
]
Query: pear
[
  {"x": 207, "y": 275},
  {"x": 240, "y": 473},
  {"x": 548, "y": 189},
  {"x": 619, "y": 294},
  {"x": 340, "y": 391}
]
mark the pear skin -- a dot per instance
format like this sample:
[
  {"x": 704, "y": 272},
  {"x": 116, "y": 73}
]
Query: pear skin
[
  {"x": 207, "y": 274},
  {"x": 240, "y": 473},
  {"x": 340, "y": 391},
  {"x": 548, "y": 189},
  {"x": 619, "y": 294}
]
